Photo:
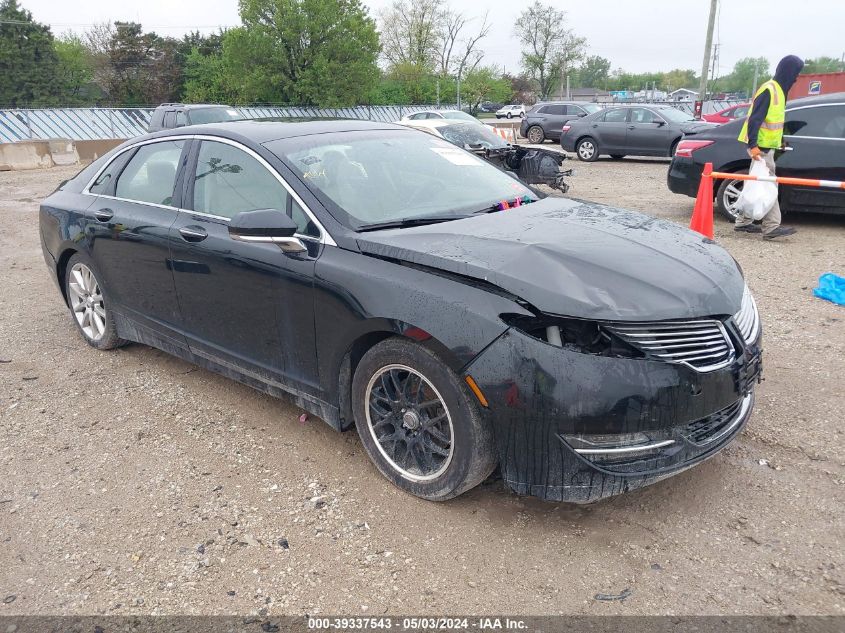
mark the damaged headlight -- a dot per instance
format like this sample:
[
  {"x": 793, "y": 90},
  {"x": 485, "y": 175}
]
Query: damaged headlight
[{"x": 577, "y": 335}]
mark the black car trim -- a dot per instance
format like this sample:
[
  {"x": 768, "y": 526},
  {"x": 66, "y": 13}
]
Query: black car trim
[{"x": 325, "y": 236}]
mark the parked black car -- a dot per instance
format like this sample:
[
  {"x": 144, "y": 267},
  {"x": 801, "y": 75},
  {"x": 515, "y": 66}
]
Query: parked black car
[
  {"x": 363, "y": 270},
  {"x": 814, "y": 133},
  {"x": 172, "y": 115},
  {"x": 621, "y": 131},
  {"x": 545, "y": 120}
]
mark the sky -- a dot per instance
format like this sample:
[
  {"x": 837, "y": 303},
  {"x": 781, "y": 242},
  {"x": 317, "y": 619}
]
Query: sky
[{"x": 640, "y": 36}]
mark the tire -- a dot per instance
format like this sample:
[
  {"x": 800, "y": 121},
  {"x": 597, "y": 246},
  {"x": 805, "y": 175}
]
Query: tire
[
  {"x": 453, "y": 466},
  {"x": 673, "y": 148},
  {"x": 90, "y": 315},
  {"x": 726, "y": 196},
  {"x": 498, "y": 116},
  {"x": 617, "y": 156},
  {"x": 535, "y": 135},
  {"x": 587, "y": 150},
  {"x": 510, "y": 116}
]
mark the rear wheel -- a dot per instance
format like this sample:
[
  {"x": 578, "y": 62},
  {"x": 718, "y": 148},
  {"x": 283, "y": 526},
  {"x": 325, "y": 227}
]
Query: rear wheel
[
  {"x": 88, "y": 304},
  {"x": 535, "y": 135},
  {"x": 587, "y": 150},
  {"x": 418, "y": 422},
  {"x": 510, "y": 116},
  {"x": 726, "y": 197}
]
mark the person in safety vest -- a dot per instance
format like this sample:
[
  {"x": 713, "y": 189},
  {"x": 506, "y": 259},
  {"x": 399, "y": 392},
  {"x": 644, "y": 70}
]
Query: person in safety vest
[{"x": 763, "y": 133}]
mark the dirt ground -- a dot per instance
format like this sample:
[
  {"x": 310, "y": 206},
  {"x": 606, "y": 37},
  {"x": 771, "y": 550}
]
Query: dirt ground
[{"x": 135, "y": 483}]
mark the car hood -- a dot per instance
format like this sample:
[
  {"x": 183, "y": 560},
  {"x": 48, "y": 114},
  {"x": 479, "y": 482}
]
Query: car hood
[{"x": 577, "y": 259}]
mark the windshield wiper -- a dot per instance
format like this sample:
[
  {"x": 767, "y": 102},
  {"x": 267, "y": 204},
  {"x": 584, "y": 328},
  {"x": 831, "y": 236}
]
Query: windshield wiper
[
  {"x": 401, "y": 224},
  {"x": 500, "y": 206}
]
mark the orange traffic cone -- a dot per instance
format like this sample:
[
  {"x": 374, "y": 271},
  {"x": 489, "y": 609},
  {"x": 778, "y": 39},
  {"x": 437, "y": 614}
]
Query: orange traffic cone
[{"x": 702, "y": 213}]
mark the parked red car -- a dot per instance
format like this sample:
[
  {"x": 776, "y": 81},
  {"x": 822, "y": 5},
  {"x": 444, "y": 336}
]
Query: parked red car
[{"x": 728, "y": 114}]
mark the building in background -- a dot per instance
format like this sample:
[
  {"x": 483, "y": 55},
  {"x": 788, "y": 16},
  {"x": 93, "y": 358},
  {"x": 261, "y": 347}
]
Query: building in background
[
  {"x": 817, "y": 84},
  {"x": 683, "y": 94}
]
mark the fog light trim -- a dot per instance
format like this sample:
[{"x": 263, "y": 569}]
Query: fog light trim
[{"x": 623, "y": 450}]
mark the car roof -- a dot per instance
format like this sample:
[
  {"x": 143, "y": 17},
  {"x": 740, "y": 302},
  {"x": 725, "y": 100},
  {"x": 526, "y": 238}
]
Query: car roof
[
  {"x": 833, "y": 97},
  {"x": 437, "y": 122},
  {"x": 195, "y": 106},
  {"x": 266, "y": 131}
]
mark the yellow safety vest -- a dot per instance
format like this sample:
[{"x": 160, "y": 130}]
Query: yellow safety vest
[{"x": 771, "y": 130}]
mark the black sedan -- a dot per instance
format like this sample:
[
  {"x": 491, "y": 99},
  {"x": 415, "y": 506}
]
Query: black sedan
[
  {"x": 368, "y": 272},
  {"x": 629, "y": 131},
  {"x": 814, "y": 134}
]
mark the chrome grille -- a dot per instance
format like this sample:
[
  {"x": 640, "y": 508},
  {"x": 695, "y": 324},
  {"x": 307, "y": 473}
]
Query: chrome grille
[
  {"x": 748, "y": 319},
  {"x": 703, "y": 344}
]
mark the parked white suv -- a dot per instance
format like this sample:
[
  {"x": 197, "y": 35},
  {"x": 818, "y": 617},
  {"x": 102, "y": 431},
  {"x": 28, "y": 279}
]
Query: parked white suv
[{"x": 510, "y": 111}]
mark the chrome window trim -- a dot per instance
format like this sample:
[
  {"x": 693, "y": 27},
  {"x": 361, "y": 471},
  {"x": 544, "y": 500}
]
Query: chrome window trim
[
  {"x": 623, "y": 450},
  {"x": 808, "y": 107},
  {"x": 324, "y": 237}
]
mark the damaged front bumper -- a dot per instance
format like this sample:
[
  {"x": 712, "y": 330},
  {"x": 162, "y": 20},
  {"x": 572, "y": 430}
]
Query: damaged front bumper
[{"x": 579, "y": 427}]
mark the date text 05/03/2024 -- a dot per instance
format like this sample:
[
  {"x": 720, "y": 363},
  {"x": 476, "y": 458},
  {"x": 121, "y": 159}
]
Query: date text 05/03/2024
[{"x": 417, "y": 623}]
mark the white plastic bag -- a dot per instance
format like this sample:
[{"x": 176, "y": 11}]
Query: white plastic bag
[{"x": 757, "y": 197}]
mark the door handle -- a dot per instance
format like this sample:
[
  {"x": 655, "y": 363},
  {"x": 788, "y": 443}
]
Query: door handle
[
  {"x": 631, "y": 127},
  {"x": 193, "y": 233},
  {"x": 104, "y": 215},
  {"x": 595, "y": 124}
]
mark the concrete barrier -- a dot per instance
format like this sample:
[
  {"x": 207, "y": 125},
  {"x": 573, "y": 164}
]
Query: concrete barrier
[{"x": 52, "y": 152}]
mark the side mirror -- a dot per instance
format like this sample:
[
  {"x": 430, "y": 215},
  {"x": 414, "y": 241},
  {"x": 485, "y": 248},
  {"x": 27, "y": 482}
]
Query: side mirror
[{"x": 266, "y": 226}]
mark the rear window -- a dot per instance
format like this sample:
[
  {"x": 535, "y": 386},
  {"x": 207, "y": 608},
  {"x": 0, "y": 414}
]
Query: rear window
[{"x": 214, "y": 115}]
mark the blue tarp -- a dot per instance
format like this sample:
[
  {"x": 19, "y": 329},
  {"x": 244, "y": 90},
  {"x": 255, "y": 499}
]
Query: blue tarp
[{"x": 832, "y": 288}]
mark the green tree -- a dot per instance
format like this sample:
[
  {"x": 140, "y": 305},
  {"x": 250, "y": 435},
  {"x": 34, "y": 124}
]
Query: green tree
[
  {"x": 741, "y": 78},
  {"x": 28, "y": 60},
  {"x": 593, "y": 72},
  {"x": 549, "y": 48},
  {"x": 678, "y": 78},
  {"x": 320, "y": 52},
  {"x": 484, "y": 84},
  {"x": 75, "y": 71},
  {"x": 823, "y": 64}
]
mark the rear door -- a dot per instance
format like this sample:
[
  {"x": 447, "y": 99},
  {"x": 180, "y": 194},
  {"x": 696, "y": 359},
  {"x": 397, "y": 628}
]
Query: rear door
[
  {"x": 610, "y": 130},
  {"x": 244, "y": 304},
  {"x": 134, "y": 211},
  {"x": 553, "y": 118},
  {"x": 816, "y": 135},
  {"x": 648, "y": 133}
]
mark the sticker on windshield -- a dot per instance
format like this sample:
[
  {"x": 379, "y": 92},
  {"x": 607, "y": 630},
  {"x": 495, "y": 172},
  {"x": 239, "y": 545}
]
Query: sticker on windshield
[{"x": 457, "y": 156}]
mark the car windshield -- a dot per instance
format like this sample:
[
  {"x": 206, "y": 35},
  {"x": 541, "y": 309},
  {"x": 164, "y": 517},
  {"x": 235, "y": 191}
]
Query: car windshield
[
  {"x": 471, "y": 136},
  {"x": 675, "y": 116},
  {"x": 591, "y": 107},
  {"x": 214, "y": 115},
  {"x": 457, "y": 114},
  {"x": 379, "y": 176}
]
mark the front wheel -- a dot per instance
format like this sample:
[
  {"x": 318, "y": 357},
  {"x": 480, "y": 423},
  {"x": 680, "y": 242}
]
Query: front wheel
[
  {"x": 586, "y": 150},
  {"x": 726, "y": 196},
  {"x": 418, "y": 422},
  {"x": 510, "y": 116}
]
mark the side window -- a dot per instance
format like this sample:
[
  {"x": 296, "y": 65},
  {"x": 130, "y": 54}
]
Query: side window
[
  {"x": 181, "y": 119},
  {"x": 150, "y": 175},
  {"x": 170, "y": 119},
  {"x": 543, "y": 110},
  {"x": 556, "y": 110},
  {"x": 416, "y": 117},
  {"x": 616, "y": 116},
  {"x": 104, "y": 183},
  {"x": 642, "y": 115},
  {"x": 574, "y": 110},
  {"x": 739, "y": 111},
  {"x": 228, "y": 181},
  {"x": 823, "y": 121}
]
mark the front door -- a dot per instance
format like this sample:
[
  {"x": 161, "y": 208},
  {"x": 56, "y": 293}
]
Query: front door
[
  {"x": 243, "y": 304},
  {"x": 648, "y": 133},
  {"x": 816, "y": 136},
  {"x": 132, "y": 216}
]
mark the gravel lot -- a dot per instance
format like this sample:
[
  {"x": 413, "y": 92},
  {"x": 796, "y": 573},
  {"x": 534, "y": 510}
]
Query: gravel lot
[{"x": 135, "y": 483}]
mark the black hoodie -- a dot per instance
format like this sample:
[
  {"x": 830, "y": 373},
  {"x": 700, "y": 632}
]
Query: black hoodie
[{"x": 786, "y": 73}]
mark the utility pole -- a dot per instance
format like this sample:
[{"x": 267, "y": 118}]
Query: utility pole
[
  {"x": 708, "y": 45},
  {"x": 756, "y": 77}
]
